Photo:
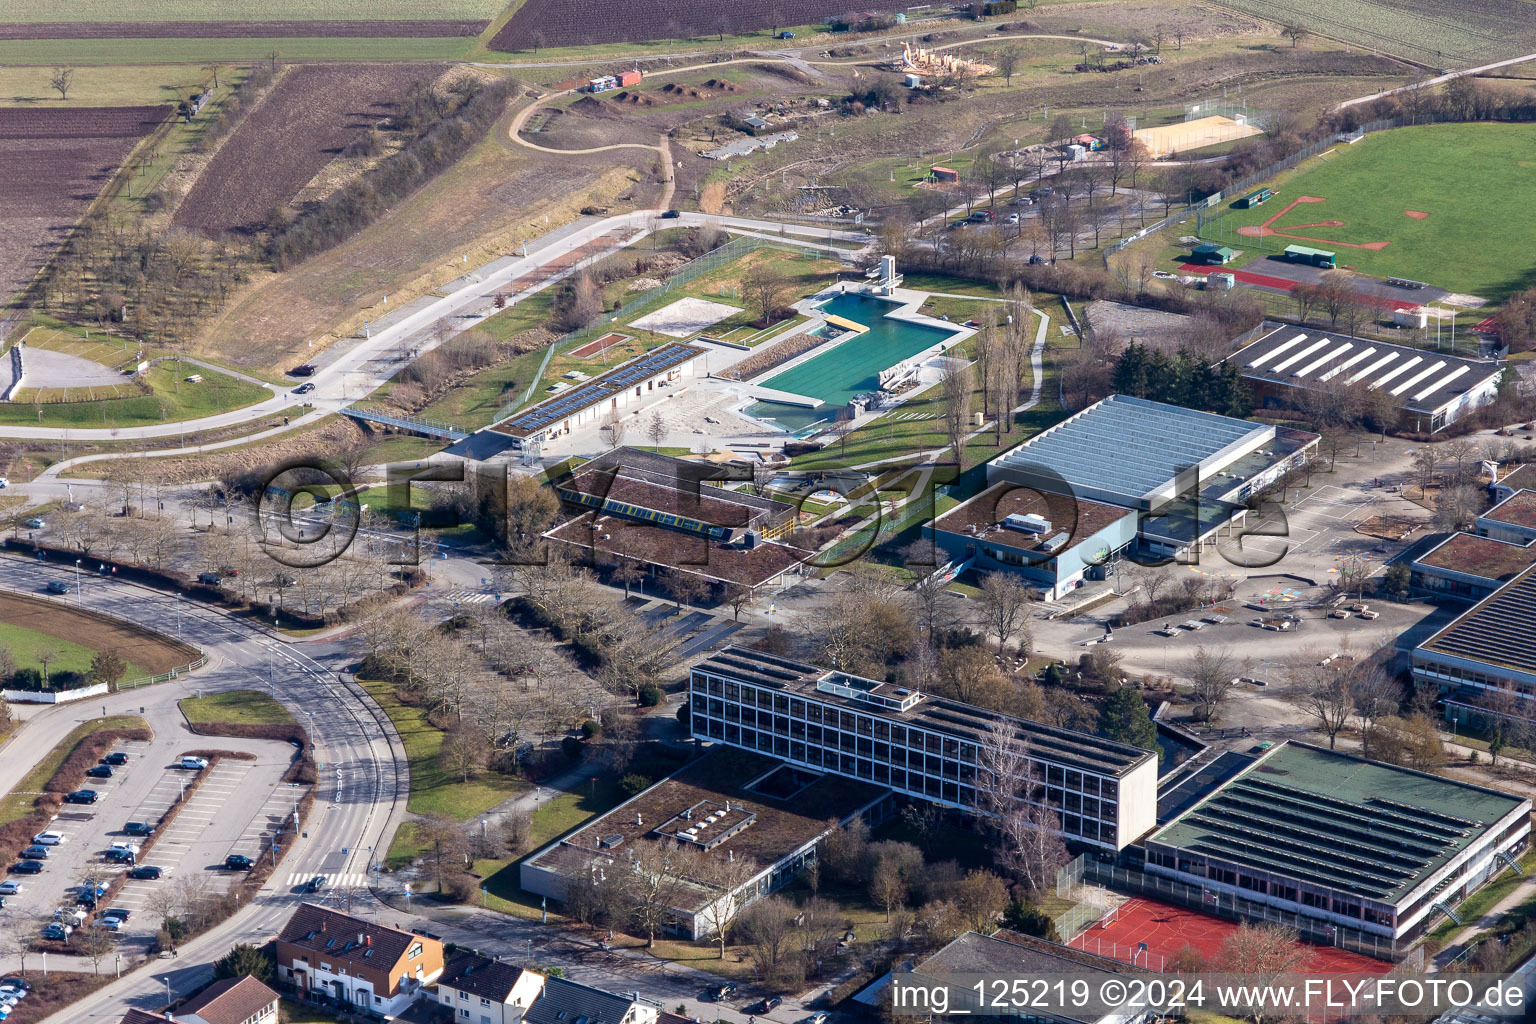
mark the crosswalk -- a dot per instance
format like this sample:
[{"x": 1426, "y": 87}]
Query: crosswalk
[
  {"x": 467, "y": 597},
  {"x": 346, "y": 880}
]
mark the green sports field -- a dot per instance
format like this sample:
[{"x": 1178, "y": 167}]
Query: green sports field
[{"x": 1445, "y": 204}]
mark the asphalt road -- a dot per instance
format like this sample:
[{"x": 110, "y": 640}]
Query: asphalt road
[{"x": 363, "y": 778}]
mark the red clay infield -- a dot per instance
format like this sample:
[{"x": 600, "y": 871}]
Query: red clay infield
[
  {"x": 1167, "y": 929},
  {"x": 1416, "y": 214},
  {"x": 1268, "y": 228},
  {"x": 600, "y": 345},
  {"x": 1285, "y": 285}
]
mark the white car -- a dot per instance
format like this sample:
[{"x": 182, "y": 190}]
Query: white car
[
  {"x": 10, "y": 888},
  {"x": 49, "y": 838},
  {"x": 110, "y": 924},
  {"x": 195, "y": 763},
  {"x": 1013, "y": 218}
]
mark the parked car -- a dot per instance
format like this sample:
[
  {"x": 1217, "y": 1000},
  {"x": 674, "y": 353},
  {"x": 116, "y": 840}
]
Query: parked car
[
  {"x": 16, "y": 982},
  {"x": 49, "y": 838},
  {"x": 236, "y": 862},
  {"x": 211, "y": 578},
  {"x": 117, "y": 757},
  {"x": 303, "y": 370},
  {"x": 139, "y": 828},
  {"x": 671, "y": 214},
  {"x": 786, "y": 35},
  {"x": 768, "y": 1003},
  {"x": 36, "y": 852},
  {"x": 819, "y": 1017},
  {"x": 58, "y": 931},
  {"x": 82, "y": 796},
  {"x": 110, "y": 924},
  {"x": 304, "y": 389},
  {"x": 99, "y": 771},
  {"x": 194, "y": 763},
  {"x": 145, "y": 871},
  {"x": 1013, "y": 218},
  {"x": 27, "y": 867},
  {"x": 57, "y": 587},
  {"x": 35, "y": 523},
  {"x": 316, "y": 884},
  {"x": 9, "y": 888},
  {"x": 120, "y": 913},
  {"x": 119, "y": 855}
]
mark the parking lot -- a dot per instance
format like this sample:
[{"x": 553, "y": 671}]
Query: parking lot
[{"x": 236, "y": 803}]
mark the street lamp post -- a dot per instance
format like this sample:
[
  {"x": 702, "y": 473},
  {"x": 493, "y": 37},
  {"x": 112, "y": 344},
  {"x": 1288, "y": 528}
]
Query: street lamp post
[
  {"x": 178, "y": 616},
  {"x": 77, "y": 583}
]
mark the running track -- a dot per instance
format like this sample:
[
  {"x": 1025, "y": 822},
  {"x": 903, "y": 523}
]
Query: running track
[{"x": 1281, "y": 284}]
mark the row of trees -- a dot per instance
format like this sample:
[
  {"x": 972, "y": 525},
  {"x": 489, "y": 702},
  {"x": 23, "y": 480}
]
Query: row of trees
[{"x": 1183, "y": 379}]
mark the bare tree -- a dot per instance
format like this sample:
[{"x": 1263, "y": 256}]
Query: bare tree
[
  {"x": 1005, "y": 603},
  {"x": 1262, "y": 953},
  {"x": 61, "y": 80},
  {"x": 956, "y": 393},
  {"x": 1006, "y": 60},
  {"x": 658, "y": 883},
  {"x": 767, "y": 287},
  {"x": 95, "y": 944},
  {"x": 1295, "y": 33},
  {"x": 613, "y": 429},
  {"x": 1319, "y": 691},
  {"x": 767, "y": 928},
  {"x": 656, "y": 430},
  {"x": 1212, "y": 678},
  {"x": 1028, "y": 830}
]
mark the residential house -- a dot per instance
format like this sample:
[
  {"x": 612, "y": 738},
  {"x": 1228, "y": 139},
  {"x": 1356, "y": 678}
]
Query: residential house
[
  {"x": 479, "y": 990},
  {"x": 359, "y": 965}
]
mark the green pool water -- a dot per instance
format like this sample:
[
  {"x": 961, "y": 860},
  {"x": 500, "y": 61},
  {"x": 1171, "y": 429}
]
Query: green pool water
[{"x": 851, "y": 367}]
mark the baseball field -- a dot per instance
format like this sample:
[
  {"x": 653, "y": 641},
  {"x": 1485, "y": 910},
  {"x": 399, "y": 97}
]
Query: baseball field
[{"x": 1436, "y": 203}]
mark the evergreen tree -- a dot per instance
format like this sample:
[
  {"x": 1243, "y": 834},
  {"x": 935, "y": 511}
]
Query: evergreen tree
[
  {"x": 1124, "y": 718},
  {"x": 242, "y": 960},
  {"x": 1131, "y": 371}
]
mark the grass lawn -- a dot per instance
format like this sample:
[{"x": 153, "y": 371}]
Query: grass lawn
[
  {"x": 1480, "y": 902},
  {"x": 18, "y": 803},
  {"x": 298, "y": 1013},
  {"x": 433, "y": 789},
  {"x": 25, "y": 645},
  {"x": 1463, "y": 176},
  {"x": 240, "y": 707},
  {"x": 173, "y": 399}
]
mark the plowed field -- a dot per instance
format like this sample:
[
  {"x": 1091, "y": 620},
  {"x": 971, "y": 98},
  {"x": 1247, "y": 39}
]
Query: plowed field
[
  {"x": 310, "y": 117},
  {"x": 55, "y": 162},
  {"x": 587, "y": 22}
]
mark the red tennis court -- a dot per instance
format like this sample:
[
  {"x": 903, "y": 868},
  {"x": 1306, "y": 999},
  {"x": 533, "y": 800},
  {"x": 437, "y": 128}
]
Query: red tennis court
[{"x": 1166, "y": 929}]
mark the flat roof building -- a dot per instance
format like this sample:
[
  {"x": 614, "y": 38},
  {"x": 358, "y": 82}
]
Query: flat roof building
[
  {"x": 730, "y": 807},
  {"x": 1428, "y": 389},
  {"x": 920, "y": 746},
  {"x": 1488, "y": 648},
  {"x": 1343, "y": 840},
  {"x": 663, "y": 513},
  {"x": 624, "y": 390},
  {"x": 1053, "y": 540},
  {"x": 1186, "y": 472}
]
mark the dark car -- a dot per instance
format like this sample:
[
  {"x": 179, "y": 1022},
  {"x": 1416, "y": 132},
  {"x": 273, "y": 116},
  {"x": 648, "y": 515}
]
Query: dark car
[
  {"x": 725, "y": 992},
  {"x": 118, "y": 855},
  {"x": 304, "y": 370},
  {"x": 21, "y": 983},
  {"x": 28, "y": 867},
  {"x": 57, "y": 587},
  {"x": 210, "y": 578},
  {"x": 82, "y": 796},
  {"x": 36, "y": 853},
  {"x": 117, "y": 757},
  {"x": 671, "y": 214},
  {"x": 304, "y": 389},
  {"x": 1037, "y": 260},
  {"x": 316, "y": 884},
  {"x": 145, "y": 871},
  {"x": 235, "y": 862},
  {"x": 117, "y": 912},
  {"x": 139, "y": 828},
  {"x": 768, "y": 1003},
  {"x": 99, "y": 771}
]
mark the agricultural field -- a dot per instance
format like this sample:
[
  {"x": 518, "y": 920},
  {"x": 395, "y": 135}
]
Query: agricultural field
[
  {"x": 1439, "y": 33},
  {"x": 244, "y": 11},
  {"x": 1450, "y": 217},
  {"x": 312, "y": 114},
  {"x": 239, "y": 29},
  {"x": 588, "y": 22},
  {"x": 56, "y": 162}
]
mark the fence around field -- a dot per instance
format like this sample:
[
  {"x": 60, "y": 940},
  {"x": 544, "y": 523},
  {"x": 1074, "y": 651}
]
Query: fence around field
[
  {"x": 127, "y": 684},
  {"x": 737, "y": 247},
  {"x": 1236, "y": 908},
  {"x": 1210, "y": 211}
]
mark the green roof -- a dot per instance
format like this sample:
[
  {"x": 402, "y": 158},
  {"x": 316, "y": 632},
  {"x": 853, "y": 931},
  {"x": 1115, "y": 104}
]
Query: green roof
[
  {"x": 1338, "y": 821},
  {"x": 1213, "y": 247},
  {"x": 1302, "y": 250}
]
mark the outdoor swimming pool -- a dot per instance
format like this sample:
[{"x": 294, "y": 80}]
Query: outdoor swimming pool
[{"x": 849, "y": 368}]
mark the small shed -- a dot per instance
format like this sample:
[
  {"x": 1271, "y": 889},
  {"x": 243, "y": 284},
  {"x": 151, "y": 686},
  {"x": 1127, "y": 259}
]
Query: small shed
[
  {"x": 1091, "y": 143},
  {"x": 628, "y": 78},
  {"x": 756, "y": 124},
  {"x": 1221, "y": 282},
  {"x": 1212, "y": 254},
  {"x": 1076, "y": 152},
  {"x": 1315, "y": 257},
  {"x": 945, "y": 174},
  {"x": 913, "y": 81},
  {"x": 1415, "y": 316}
]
